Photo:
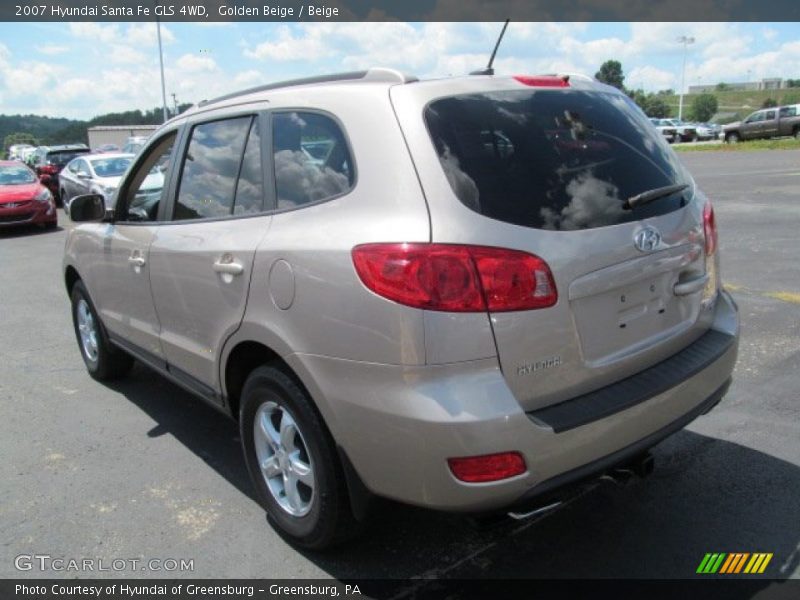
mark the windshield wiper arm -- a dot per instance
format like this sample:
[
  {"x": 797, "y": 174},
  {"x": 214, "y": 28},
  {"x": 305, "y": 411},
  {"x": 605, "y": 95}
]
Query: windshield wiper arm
[{"x": 651, "y": 195}]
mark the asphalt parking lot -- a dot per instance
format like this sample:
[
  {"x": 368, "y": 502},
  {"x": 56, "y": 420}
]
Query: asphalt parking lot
[{"x": 140, "y": 469}]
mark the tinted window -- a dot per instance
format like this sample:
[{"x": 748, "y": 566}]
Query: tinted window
[
  {"x": 788, "y": 111},
  {"x": 211, "y": 168},
  {"x": 62, "y": 157},
  {"x": 145, "y": 187},
  {"x": 553, "y": 160},
  {"x": 110, "y": 167},
  {"x": 312, "y": 161},
  {"x": 770, "y": 115}
]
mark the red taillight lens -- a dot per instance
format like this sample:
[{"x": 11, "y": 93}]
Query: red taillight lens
[
  {"x": 710, "y": 229},
  {"x": 49, "y": 169},
  {"x": 456, "y": 278},
  {"x": 543, "y": 80},
  {"x": 491, "y": 467}
]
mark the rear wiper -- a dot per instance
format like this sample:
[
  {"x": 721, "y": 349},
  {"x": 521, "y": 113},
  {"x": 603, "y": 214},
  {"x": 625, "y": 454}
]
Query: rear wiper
[{"x": 654, "y": 194}]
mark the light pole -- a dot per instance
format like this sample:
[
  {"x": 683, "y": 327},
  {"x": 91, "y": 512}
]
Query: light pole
[
  {"x": 161, "y": 62},
  {"x": 685, "y": 41}
]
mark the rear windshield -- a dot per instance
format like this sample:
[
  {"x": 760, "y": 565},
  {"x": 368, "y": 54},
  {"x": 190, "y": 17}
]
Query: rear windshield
[
  {"x": 62, "y": 157},
  {"x": 558, "y": 160}
]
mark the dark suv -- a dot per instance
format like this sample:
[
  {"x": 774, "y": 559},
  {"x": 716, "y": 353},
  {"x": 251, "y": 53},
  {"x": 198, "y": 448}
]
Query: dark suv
[{"x": 49, "y": 160}]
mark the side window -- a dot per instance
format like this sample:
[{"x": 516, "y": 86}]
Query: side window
[
  {"x": 770, "y": 115},
  {"x": 211, "y": 169},
  {"x": 311, "y": 159},
  {"x": 146, "y": 185},
  {"x": 81, "y": 168}
]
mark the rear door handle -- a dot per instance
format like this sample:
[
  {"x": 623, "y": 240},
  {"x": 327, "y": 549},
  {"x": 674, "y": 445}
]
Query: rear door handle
[
  {"x": 684, "y": 288},
  {"x": 228, "y": 265}
]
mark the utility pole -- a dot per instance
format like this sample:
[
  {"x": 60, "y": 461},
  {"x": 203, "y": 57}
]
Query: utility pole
[
  {"x": 685, "y": 41},
  {"x": 175, "y": 103}
]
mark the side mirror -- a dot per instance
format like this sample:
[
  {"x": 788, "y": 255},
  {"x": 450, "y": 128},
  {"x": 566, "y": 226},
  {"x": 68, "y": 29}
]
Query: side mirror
[{"x": 88, "y": 207}]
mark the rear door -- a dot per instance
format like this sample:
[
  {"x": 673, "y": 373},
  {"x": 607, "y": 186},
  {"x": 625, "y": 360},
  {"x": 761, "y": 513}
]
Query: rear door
[
  {"x": 202, "y": 256},
  {"x": 769, "y": 128},
  {"x": 629, "y": 282}
]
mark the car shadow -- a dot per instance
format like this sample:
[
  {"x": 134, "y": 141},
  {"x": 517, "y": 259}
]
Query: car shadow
[
  {"x": 706, "y": 495},
  {"x": 27, "y": 231}
]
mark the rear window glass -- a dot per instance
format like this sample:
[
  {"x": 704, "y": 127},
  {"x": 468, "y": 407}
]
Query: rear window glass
[
  {"x": 62, "y": 157},
  {"x": 553, "y": 160}
]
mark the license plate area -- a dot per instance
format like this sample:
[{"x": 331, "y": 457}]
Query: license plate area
[{"x": 630, "y": 318}]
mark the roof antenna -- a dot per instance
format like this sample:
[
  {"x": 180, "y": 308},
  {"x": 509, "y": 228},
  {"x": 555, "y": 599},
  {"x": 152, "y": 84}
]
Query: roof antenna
[{"x": 489, "y": 70}]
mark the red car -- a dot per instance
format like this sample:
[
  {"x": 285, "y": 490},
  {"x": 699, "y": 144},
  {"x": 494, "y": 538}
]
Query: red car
[{"x": 23, "y": 199}]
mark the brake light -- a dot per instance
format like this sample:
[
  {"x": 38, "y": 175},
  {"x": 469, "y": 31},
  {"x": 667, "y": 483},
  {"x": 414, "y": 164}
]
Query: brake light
[
  {"x": 491, "y": 467},
  {"x": 456, "y": 278},
  {"x": 543, "y": 80},
  {"x": 710, "y": 228},
  {"x": 49, "y": 169}
]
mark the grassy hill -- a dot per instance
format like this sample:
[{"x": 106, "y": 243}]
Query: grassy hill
[{"x": 742, "y": 102}]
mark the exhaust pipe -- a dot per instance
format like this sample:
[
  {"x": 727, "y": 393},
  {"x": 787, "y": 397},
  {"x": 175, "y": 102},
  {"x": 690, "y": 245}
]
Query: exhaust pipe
[
  {"x": 641, "y": 466},
  {"x": 536, "y": 511}
]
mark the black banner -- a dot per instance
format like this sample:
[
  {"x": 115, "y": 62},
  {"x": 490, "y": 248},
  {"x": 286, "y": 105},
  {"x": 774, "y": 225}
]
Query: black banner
[
  {"x": 423, "y": 589},
  {"x": 394, "y": 10}
]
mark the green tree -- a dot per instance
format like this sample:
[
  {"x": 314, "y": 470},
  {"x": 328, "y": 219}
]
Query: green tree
[
  {"x": 722, "y": 87},
  {"x": 793, "y": 83},
  {"x": 703, "y": 107},
  {"x": 769, "y": 103},
  {"x": 18, "y": 138},
  {"x": 656, "y": 107},
  {"x": 611, "y": 73}
]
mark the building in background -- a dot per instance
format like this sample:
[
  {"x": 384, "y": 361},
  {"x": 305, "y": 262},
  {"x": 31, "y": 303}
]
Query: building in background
[
  {"x": 768, "y": 83},
  {"x": 117, "y": 134}
]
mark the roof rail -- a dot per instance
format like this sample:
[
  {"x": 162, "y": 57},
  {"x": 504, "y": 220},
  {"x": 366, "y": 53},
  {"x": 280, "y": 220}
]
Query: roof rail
[{"x": 376, "y": 74}]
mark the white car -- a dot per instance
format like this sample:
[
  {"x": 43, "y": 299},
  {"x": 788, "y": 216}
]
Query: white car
[{"x": 667, "y": 129}]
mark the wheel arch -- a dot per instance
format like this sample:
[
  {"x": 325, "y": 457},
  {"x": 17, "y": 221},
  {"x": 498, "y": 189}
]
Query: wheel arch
[{"x": 71, "y": 276}]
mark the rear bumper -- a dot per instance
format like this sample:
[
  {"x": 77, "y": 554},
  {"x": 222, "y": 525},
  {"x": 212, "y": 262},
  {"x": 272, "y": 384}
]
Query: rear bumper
[{"x": 398, "y": 425}]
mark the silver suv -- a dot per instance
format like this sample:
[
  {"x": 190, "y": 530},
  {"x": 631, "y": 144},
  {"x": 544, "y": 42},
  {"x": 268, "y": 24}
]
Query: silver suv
[{"x": 465, "y": 294}]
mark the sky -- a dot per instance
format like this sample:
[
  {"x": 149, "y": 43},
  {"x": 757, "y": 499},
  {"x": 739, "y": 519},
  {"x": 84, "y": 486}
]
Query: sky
[{"x": 80, "y": 70}]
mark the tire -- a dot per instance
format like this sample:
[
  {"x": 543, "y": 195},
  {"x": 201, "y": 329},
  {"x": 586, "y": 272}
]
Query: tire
[
  {"x": 732, "y": 138},
  {"x": 796, "y": 134},
  {"x": 305, "y": 496},
  {"x": 103, "y": 361}
]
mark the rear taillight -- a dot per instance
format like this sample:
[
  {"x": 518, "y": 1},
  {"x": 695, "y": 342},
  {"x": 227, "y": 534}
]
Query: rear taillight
[
  {"x": 456, "y": 278},
  {"x": 49, "y": 169},
  {"x": 491, "y": 467},
  {"x": 710, "y": 229}
]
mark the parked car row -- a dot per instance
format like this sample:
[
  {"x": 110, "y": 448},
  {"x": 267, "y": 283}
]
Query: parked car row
[{"x": 675, "y": 130}]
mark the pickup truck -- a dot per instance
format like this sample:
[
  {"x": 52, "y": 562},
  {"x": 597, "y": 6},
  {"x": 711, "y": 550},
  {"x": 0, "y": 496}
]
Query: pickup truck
[{"x": 766, "y": 123}]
